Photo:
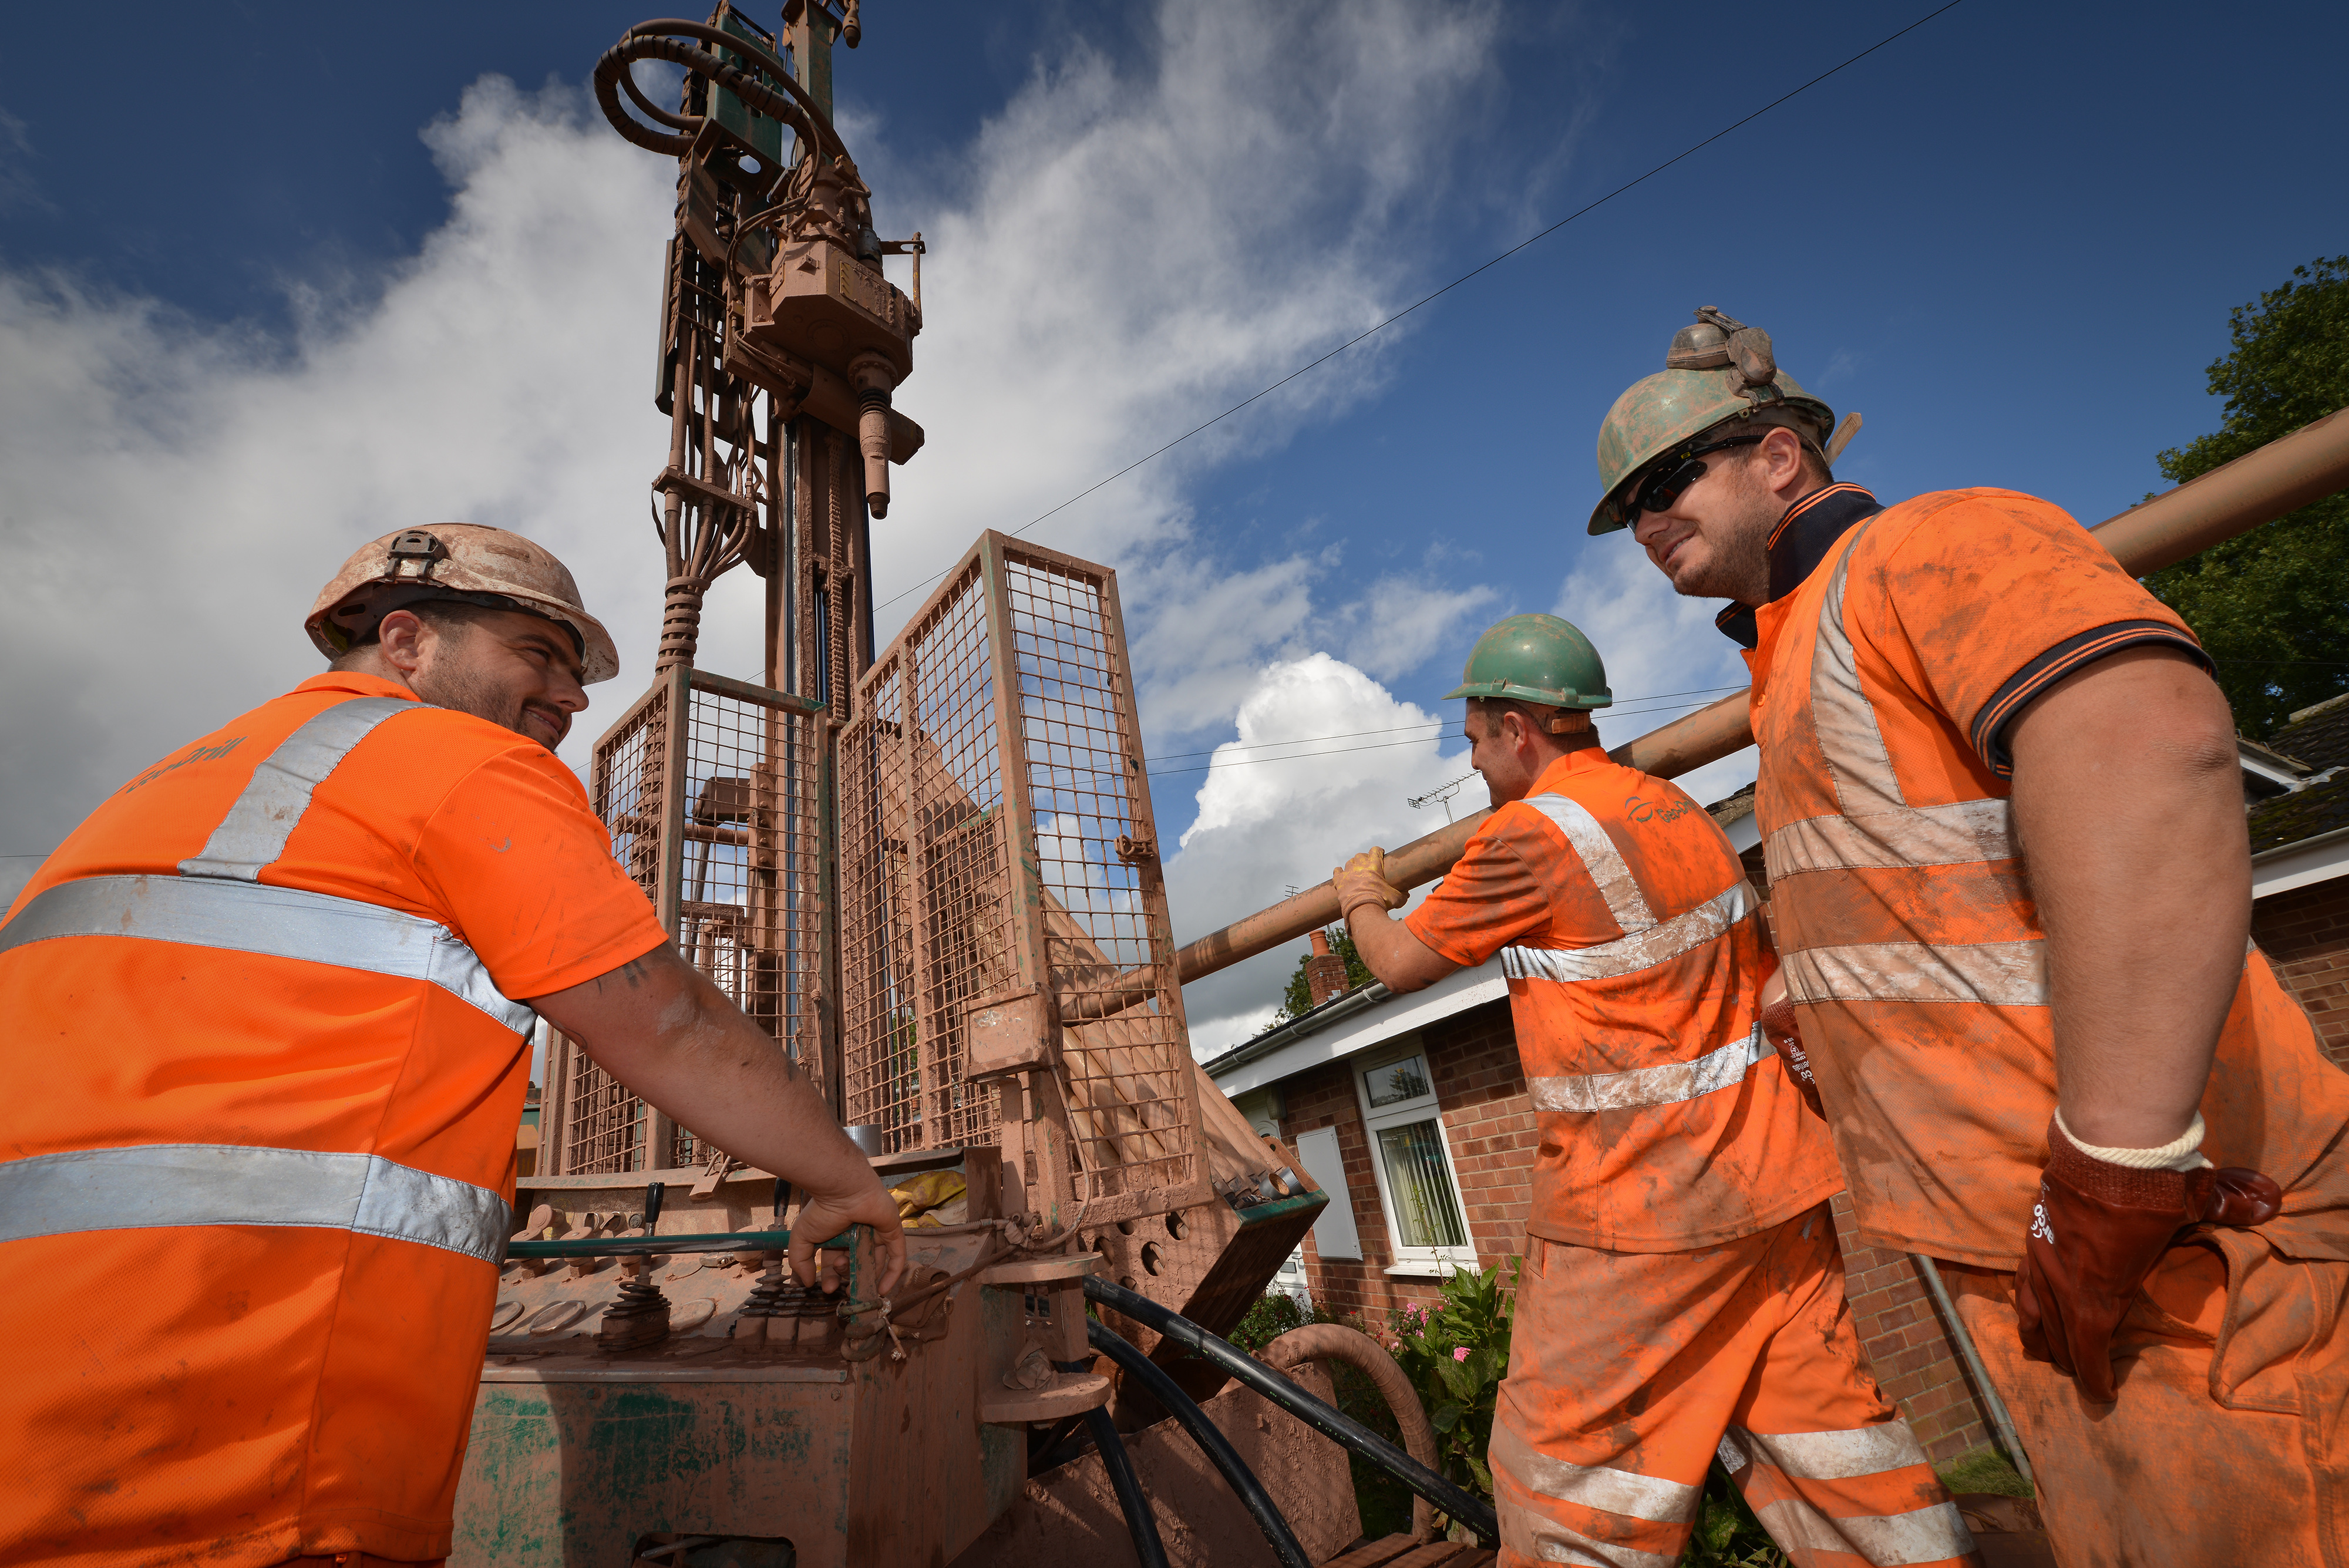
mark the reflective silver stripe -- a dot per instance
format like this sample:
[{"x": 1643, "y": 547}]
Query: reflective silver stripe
[
  {"x": 178, "y": 1184},
  {"x": 1858, "y": 760},
  {"x": 1878, "y": 827},
  {"x": 1543, "y": 1539},
  {"x": 1837, "y": 1456},
  {"x": 1600, "y": 1487},
  {"x": 1600, "y": 857},
  {"x": 1709, "y": 921},
  {"x": 1934, "y": 1534},
  {"x": 254, "y": 833},
  {"x": 1994, "y": 974},
  {"x": 276, "y": 922},
  {"x": 1967, "y": 833},
  {"x": 1666, "y": 1086}
]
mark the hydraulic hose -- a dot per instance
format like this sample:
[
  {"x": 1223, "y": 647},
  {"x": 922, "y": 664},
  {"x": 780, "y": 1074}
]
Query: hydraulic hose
[
  {"x": 1140, "y": 1522},
  {"x": 1468, "y": 1510},
  {"x": 1212, "y": 1442}
]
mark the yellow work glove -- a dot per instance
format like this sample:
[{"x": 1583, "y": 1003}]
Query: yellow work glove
[{"x": 1363, "y": 881}]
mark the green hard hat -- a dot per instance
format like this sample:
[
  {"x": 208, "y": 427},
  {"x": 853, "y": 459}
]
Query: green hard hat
[
  {"x": 1717, "y": 370},
  {"x": 1536, "y": 659}
]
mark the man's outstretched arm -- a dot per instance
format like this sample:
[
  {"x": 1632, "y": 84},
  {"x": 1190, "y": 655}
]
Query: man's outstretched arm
[
  {"x": 659, "y": 1026},
  {"x": 1401, "y": 961}
]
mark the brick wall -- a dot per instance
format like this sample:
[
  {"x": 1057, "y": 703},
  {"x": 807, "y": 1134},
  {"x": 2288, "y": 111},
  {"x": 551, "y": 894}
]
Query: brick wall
[
  {"x": 2305, "y": 934},
  {"x": 1488, "y": 1123}
]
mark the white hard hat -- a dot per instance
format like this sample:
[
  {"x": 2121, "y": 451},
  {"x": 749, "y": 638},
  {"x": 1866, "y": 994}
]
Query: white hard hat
[{"x": 459, "y": 561}]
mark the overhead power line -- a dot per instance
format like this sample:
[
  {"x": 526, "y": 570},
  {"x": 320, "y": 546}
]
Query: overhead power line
[
  {"x": 1430, "y": 298},
  {"x": 1159, "y": 773},
  {"x": 1429, "y": 724}
]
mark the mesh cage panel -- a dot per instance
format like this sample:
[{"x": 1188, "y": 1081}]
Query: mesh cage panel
[
  {"x": 924, "y": 888},
  {"x": 746, "y": 865},
  {"x": 603, "y": 1125},
  {"x": 964, "y": 847},
  {"x": 750, "y": 909},
  {"x": 1105, "y": 923}
]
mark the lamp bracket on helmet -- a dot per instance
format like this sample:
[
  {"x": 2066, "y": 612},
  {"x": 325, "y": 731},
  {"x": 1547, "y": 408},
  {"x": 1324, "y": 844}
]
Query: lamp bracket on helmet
[{"x": 411, "y": 557}]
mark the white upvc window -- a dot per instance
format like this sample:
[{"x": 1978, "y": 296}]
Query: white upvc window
[{"x": 1412, "y": 1162}]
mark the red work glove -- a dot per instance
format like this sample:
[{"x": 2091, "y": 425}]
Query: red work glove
[
  {"x": 1786, "y": 1037},
  {"x": 2097, "y": 1231},
  {"x": 1363, "y": 881}
]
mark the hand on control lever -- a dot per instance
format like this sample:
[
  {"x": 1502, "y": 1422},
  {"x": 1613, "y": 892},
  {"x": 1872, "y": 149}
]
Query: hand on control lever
[
  {"x": 2096, "y": 1232},
  {"x": 1778, "y": 1019},
  {"x": 1363, "y": 881}
]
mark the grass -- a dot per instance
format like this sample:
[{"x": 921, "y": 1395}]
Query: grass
[{"x": 1982, "y": 1469}]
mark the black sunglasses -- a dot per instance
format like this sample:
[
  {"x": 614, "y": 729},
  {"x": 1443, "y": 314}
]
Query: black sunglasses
[{"x": 1672, "y": 473}]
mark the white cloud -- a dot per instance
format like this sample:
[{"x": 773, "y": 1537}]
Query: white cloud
[
  {"x": 1127, "y": 251},
  {"x": 176, "y": 492},
  {"x": 1266, "y": 825},
  {"x": 1124, "y": 252}
]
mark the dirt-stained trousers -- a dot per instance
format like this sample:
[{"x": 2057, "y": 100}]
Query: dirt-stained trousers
[{"x": 1630, "y": 1372}]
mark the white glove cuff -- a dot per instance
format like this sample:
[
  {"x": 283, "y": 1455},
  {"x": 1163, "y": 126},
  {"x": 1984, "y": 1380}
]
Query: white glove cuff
[{"x": 2183, "y": 1152}]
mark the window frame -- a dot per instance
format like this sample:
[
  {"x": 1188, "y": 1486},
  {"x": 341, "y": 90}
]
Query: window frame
[{"x": 1411, "y": 1262}]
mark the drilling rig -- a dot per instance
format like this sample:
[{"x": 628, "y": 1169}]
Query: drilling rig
[{"x": 929, "y": 872}]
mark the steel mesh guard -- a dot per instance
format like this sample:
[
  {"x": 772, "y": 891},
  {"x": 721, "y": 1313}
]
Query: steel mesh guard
[
  {"x": 995, "y": 838},
  {"x": 721, "y": 827}
]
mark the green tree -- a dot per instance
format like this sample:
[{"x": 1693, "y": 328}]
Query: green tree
[
  {"x": 1298, "y": 1000},
  {"x": 2273, "y": 606}
]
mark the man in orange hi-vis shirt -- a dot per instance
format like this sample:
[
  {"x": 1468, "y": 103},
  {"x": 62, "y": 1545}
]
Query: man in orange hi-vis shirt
[
  {"x": 268, "y": 1019},
  {"x": 2011, "y": 893},
  {"x": 1683, "y": 1294}
]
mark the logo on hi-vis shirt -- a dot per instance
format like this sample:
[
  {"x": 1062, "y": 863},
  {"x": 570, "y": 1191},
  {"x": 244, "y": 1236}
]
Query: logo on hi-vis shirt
[
  {"x": 194, "y": 755},
  {"x": 2040, "y": 1228},
  {"x": 1640, "y": 810}
]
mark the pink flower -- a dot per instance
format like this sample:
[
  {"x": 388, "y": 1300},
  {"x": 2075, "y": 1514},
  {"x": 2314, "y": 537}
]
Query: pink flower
[{"x": 1460, "y": 1353}]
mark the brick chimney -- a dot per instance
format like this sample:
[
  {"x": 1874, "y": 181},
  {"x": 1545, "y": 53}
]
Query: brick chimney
[{"x": 1325, "y": 971}]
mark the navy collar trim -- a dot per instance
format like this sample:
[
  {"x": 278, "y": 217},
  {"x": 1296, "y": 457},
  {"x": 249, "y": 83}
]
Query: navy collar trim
[{"x": 1800, "y": 542}]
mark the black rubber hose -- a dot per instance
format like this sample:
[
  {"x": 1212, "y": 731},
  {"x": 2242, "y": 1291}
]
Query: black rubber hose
[
  {"x": 1212, "y": 1442},
  {"x": 1140, "y": 1522},
  {"x": 1469, "y": 1510}
]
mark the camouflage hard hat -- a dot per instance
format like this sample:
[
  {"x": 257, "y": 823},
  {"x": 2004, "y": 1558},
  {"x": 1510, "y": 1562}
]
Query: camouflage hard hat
[
  {"x": 464, "y": 562},
  {"x": 1536, "y": 659},
  {"x": 1718, "y": 369}
]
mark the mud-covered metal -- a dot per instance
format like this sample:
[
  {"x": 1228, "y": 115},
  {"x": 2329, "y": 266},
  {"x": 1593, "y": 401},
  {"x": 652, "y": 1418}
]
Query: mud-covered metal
[
  {"x": 1718, "y": 369},
  {"x": 462, "y": 562},
  {"x": 1009, "y": 975}
]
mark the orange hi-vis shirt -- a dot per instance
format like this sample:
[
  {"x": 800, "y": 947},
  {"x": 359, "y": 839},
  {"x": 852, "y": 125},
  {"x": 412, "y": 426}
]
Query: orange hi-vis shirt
[
  {"x": 263, "y": 1070},
  {"x": 1634, "y": 952},
  {"x": 1901, "y": 644}
]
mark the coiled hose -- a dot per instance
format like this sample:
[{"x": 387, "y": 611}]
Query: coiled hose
[
  {"x": 1212, "y": 1442},
  {"x": 1471, "y": 1510},
  {"x": 1335, "y": 1342},
  {"x": 1140, "y": 1522}
]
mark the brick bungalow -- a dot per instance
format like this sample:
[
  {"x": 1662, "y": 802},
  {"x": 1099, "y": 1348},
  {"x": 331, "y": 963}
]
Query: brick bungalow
[{"x": 1412, "y": 1111}]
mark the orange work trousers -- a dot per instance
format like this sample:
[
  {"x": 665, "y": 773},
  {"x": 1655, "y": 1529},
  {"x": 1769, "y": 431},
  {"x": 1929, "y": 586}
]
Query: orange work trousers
[
  {"x": 2226, "y": 1444},
  {"x": 1629, "y": 1372}
]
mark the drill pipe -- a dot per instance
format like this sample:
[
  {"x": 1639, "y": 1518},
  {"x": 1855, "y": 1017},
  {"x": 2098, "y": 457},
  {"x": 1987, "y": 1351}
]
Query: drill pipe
[{"x": 2259, "y": 486}]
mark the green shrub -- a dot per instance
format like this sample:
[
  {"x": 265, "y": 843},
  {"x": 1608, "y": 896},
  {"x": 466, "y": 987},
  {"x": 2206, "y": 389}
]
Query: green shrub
[
  {"x": 1727, "y": 1534},
  {"x": 1455, "y": 1355}
]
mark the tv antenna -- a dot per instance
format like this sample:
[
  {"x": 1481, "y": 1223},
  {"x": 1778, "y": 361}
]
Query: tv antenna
[{"x": 1442, "y": 792}]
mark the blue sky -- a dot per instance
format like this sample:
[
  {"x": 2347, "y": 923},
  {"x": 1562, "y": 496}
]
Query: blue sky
[{"x": 273, "y": 279}]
